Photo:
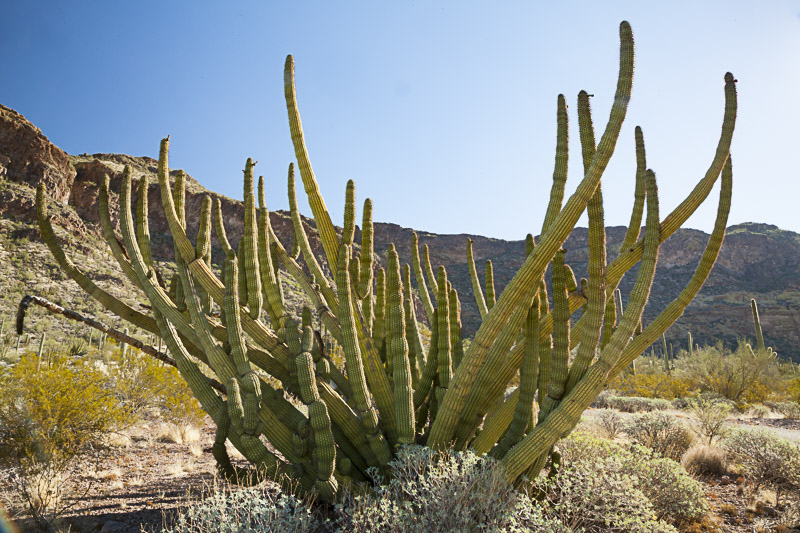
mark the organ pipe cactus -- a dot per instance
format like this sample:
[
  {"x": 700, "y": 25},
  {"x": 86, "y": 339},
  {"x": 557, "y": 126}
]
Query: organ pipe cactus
[{"x": 392, "y": 389}]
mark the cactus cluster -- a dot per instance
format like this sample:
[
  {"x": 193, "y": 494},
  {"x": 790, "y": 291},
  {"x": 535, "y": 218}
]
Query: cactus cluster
[{"x": 329, "y": 427}]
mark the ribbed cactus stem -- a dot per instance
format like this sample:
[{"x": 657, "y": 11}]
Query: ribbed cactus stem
[
  {"x": 354, "y": 361},
  {"x": 349, "y": 229},
  {"x": 364, "y": 282},
  {"x": 270, "y": 282},
  {"x": 455, "y": 328},
  {"x": 757, "y": 324},
  {"x": 219, "y": 227},
  {"x": 415, "y": 349},
  {"x": 691, "y": 345},
  {"x": 397, "y": 351},
  {"x": 490, "y": 294},
  {"x": 203, "y": 247},
  {"x": 379, "y": 326},
  {"x": 422, "y": 286},
  {"x": 561, "y": 335},
  {"x": 426, "y": 263},
  {"x": 142, "y": 227},
  {"x": 476, "y": 284},
  {"x": 250, "y": 238},
  {"x": 330, "y": 241},
  {"x": 444, "y": 350}
]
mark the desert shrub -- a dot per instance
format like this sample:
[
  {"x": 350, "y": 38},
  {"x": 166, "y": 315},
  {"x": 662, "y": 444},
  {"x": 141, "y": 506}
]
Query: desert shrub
[
  {"x": 55, "y": 407},
  {"x": 759, "y": 411},
  {"x": 787, "y": 409},
  {"x": 765, "y": 459},
  {"x": 610, "y": 421},
  {"x": 438, "y": 492},
  {"x": 661, "y": 432},
  {"x": 705, "y": 460},
  {"x": 793, "y": 390},
  {"x": 249, "y": 509},
  {"x": 51, "y": 413},
  {"x": 740, "y": 376},
  {"x": 601, "y": 402},
  {"x": 709, "y": 418},
  {"x": 673, "y": 494},
  {"x": 588, "y": 496},
  {"x": 654, "y": 385},
  {"x": 635, "y": 404},
  {"x": 142, "y": 383}
]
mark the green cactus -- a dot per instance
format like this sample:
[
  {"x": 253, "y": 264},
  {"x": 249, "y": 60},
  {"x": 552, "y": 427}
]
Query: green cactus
[
  {"x": 390, "y": 392},
  {"x": 757, "y": 324}
]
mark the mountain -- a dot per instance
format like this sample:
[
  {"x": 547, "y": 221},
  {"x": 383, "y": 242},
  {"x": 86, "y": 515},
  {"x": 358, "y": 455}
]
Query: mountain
[{"x": 757, "y": 260}]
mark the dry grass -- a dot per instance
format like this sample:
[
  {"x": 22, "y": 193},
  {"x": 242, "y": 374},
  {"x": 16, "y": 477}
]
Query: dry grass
[
  {"x": 705, "y": 460},
  {"x": 183, "y": 434}
]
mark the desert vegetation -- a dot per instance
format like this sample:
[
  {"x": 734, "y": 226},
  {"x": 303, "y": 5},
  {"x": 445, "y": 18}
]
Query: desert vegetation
[{"x": 357, "y": 409}]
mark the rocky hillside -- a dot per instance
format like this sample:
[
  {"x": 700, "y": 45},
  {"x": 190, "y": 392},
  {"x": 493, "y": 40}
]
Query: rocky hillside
[{"x": 757, "y": 260}]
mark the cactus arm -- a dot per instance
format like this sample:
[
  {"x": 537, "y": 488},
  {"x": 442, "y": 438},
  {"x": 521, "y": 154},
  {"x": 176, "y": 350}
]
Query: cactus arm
[
  {"x": 397, "y": 351},
  {"x": 675, "y": 309},
  {"x": 561, "y": 332},
  {"x": 349, "y": 228},
  {"x": 379, "y": 326},
  {"x": 561, "y": 164},
  {"x": 541, "y": 439},
  {"x": 416, "y": 357},
  {"x": 252, "y": 269},
  {"x": 354, "y": 361},
  {"x": 422, "y": 286},
  {"x": 142, "y": 227},
  {"x": 426, "y": 263},
  {"x": 529, "y": 378},
  {"x": 532, "y": 270},
  {"x": 476, "y": 284},
  {"x": 110, "y": 236},
  {"x": 496, "y": 425},
  {"x": 757, "y": 324},
  {"x": 429, "y": 371},
  {"x": 490, "y": 295},
  {"x": 680, "y": 214},
  {"x": 107, "y": 300},
  {"x": 273, "y": 296},
  {"x": 301, "y": 238},
  {"x": 455, "y": 328},
  {"x": 203, "y": 248},
  {"x": 219, "y": 227},
  {"x": 596, "y": 287},
  {"x": 367, "y": 251},
  {"x": 445, "y": 349},
  {"x": 330, "y": 242},
  {"x": 635, "y": 224}
]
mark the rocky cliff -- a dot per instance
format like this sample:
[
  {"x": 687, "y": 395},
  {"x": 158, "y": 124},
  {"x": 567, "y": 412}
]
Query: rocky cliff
[{"x": 757, "y": 260}]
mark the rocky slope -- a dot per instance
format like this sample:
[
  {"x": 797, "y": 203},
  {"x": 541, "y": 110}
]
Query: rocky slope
[{"x": 757, "y": 260}]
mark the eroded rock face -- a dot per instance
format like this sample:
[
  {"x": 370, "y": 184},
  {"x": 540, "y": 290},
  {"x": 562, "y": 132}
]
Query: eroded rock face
[{"x": 27, "y": 156}]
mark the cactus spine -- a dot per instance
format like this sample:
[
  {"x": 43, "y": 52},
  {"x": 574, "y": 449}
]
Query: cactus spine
[{"x": 390, "y": 392}]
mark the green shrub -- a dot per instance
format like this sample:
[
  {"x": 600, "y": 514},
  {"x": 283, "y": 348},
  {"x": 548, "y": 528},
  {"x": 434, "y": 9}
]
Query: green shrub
[
  {"x": 54, "y": 407},
  {"x": 673, "y": 494},
  {"x": 429, "y": 491},
  {"x": 765, "y": 459},
  {"x": 709, "y": 418},
  {"x": 588, "y": 496},
  {"x": 787, "y": 409},
  {"x": 610, "y": 421},
  {"x": 249, "y": 509},
  {"x": 661, "y": 432},
  {"x": 637, "y": 404},
  {"x": 142, "y": 383},
  {"x": 759, "y": 411}
]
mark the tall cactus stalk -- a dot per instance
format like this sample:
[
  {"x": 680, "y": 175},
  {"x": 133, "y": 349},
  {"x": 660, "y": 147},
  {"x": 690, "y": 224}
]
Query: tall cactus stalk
[{"x": 391, "y": 390}]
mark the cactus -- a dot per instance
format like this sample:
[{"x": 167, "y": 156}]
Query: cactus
[
  {"x": 757, "y": 324},
  {"x": 391, "y": 393}
]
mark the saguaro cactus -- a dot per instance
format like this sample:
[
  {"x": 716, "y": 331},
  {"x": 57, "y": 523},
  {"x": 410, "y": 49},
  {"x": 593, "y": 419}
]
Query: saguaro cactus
[{"x": 391, "y": 392}]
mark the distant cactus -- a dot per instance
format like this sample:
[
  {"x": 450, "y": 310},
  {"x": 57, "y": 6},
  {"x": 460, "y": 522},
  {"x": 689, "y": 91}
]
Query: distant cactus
[{"x": 390, "y": 392}]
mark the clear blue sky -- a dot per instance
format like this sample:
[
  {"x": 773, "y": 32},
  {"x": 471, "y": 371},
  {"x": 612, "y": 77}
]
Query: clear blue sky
[{"x": 442, "y": 112}]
